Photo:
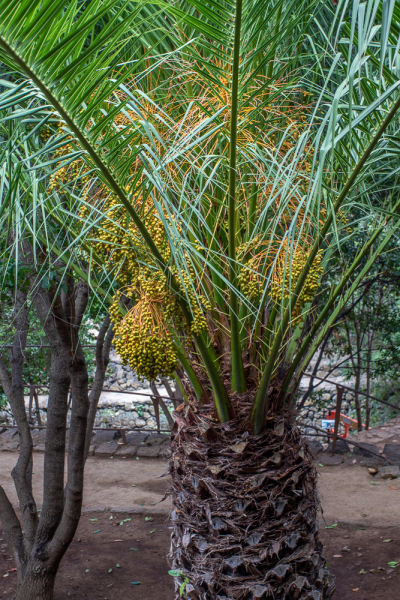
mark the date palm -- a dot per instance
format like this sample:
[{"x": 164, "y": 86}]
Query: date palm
[{"x": 215, "y": 155}]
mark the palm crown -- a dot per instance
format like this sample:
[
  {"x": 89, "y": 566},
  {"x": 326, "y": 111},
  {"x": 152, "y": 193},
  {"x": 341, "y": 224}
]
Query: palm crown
[{"x": 208, "y": 184}]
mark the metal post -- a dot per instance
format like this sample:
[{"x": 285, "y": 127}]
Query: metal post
[
  {"x": 37, "y": 405},
  {"x": 31, "y": 392},
  {"x": 339, "y": 396},
  {"x": 156, "y": 411},
  {"x": 69, "y": 400}
]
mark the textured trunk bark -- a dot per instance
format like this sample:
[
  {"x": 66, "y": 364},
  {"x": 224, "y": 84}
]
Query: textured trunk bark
[
  {"x": 37, "y": 583},
  {"x": 244, "y": 510},
  {"x": 38, "y": 546}
]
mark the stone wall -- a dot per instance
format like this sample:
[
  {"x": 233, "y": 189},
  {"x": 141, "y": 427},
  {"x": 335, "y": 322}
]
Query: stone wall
[
  {"x": 122, "y": 378},
  {"x": 133, "y": 410},
  {"x": 115, "y": 409},
  {"x": 313, "y": 414}
]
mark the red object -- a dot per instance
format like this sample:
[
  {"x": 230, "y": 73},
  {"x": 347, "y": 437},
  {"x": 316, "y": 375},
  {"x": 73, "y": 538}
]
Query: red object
[{"x": 347, "y": 422}]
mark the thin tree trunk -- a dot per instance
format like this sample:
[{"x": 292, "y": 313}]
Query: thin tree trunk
[
  {"x": 367, "y": 400},
  {"x": 103, "y": 347},
  {"x": 356, "y": 370},
  {"x": 162, "y": 404},
  {"x": 38, "y": 583},
  {"x": 54, "y": 456},
  {"x": 20, "y": 544},
  {"x": 38, "y": 546}
]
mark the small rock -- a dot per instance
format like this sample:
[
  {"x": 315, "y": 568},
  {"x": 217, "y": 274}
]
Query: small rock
[
  {"x": 331, "y": 460},
  {"x": 9, "y": 434},
  {"x": 140, "y": 423},
  {"x": 105, "y": 436},
  {"x": 106, "y": 450},
  {"x": 149, "y": 451},
  {"x": 136, "y": 438},
  {"x": 365, "y": 449},
  {"x": 389, "y": 472},
  {"x": 39, "y": 448},
  {"x": 341, "y": 447},
  {"x": 315, "y": 447},
  {"x": 392, "y": 452},
  {"x": 157, "y": 439},
  {"x": 351, "y": 461},
  {"x": 126, "y": 450}
]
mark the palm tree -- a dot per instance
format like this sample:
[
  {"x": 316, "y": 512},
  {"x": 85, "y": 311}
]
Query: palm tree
[{"x": 214, "y": 157}]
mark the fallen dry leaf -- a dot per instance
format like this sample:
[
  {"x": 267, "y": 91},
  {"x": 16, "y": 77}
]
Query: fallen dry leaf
[
  {"x": 239, "y": 447},
  {"x": 393, "y": 488},
  {"x": 356, "y": 589},
  {"x": 337, "y": 556}
]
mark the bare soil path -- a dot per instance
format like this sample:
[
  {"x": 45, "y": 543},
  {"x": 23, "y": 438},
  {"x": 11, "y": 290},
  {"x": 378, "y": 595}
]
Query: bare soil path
[
  {"x": 363, "y": 514},
  {"x": 346, "y": 492},
  {"x": 108, "y": 482}
]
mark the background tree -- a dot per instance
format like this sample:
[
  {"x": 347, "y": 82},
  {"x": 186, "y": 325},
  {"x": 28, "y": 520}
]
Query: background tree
[
  {"x": 39, "y": 545},
  {"x": 40, "y": 292},
  {"x": 222, "y": 167}
]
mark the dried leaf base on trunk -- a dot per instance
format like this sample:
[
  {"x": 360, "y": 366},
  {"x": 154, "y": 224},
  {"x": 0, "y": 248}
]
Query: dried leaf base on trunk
[{"x": 244, "y": 511}]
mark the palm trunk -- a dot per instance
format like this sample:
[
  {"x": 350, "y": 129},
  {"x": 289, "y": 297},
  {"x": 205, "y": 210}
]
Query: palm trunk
[{"x": 244, "y": 510}]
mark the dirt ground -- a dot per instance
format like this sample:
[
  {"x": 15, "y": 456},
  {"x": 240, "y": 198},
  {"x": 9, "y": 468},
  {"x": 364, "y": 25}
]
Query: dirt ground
[
  {"x": 361, "y": 570},
  {"x": 346, "y": 492},
  {"x": 350, "y": 495},
  {"x": 363, "y": 511},
  {"x": 108, "y": 482},
  {"x": 84, "y": 572}
]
